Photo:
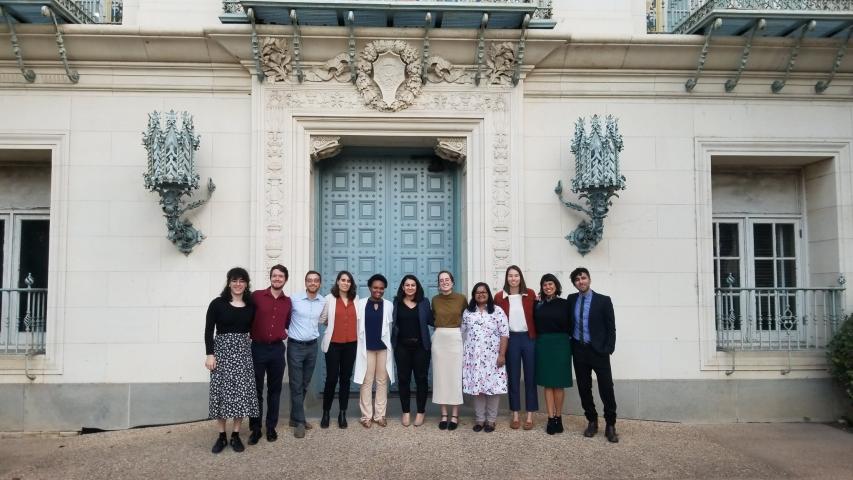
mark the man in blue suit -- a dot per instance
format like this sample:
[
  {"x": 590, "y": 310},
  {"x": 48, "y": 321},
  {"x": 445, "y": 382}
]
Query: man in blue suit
[{"x": 593, "y": 341}]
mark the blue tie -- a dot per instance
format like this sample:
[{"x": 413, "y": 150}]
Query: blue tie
[{"x": 583, "y": 328}]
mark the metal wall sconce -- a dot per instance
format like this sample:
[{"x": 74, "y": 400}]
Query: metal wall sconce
[
  {"x": 172, "y": 174},
  {"x": 597, "y": 178}
]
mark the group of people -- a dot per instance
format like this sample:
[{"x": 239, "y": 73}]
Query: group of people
[{"x": 481, "y": 347}]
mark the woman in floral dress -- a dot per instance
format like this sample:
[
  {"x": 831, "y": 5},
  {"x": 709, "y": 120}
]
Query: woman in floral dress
[{"x": 485, "y": 333}]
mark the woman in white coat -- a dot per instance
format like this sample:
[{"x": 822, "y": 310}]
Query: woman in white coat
[{"x": 374, "y": 361}]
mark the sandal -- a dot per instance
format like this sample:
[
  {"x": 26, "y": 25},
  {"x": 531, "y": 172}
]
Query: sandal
[
  {"x": 442, "y": 425},
  {"x": 452, "y": 425},
  {"x": 365, "y": 422},
  {"x": 514, "y": 424},
  {"x": 528, "y": 425}
]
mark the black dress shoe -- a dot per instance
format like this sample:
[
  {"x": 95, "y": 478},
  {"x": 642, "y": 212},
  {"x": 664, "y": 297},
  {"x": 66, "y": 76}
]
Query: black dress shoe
[
  {"x": 489, "y": 427},
  {"x": 342, "y": 419},
  {"x": 558, "y": 424},
  {"x": 220, "y": 444},
  {"x": 452, "y": 425},
  {"x": 272, "y": 435},
  {"x": 549, "y": 427},
  {"x": 478, "y": 427},
  {"x": 324, "y": 420},
  {"x": 254, "y": 437},
  {"x": 610, "y": 433},
  {"x": 442, "y": 425},
  {"x": 591, "y": 429},
  {"x": 236, "y": 443}
]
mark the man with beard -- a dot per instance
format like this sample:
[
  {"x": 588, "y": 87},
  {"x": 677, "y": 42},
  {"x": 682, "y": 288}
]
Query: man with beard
[
  {"x": 302, "y": 349},
  {"x": 273, "y": 310}
]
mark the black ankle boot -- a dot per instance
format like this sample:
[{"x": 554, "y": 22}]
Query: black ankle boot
[
  {"x": 549, "y": 427},
  {"x": 324, "y": 421},
  {"x": 342, "y": 419},
  {"x": 558, "y": 424}
]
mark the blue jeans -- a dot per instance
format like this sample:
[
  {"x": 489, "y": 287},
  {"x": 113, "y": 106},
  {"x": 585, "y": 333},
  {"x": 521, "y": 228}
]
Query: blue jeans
[
  {"x": 301, "y": 358},
  {"x": 521, "y": 351}
]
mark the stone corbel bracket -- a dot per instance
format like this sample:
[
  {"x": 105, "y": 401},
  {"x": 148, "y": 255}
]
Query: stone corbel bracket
[
  {"x": 323, "y": 147},
  {"x": 452, "y": 149}
]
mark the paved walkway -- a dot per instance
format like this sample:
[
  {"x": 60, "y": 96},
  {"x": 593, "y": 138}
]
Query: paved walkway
[{"x": 646, "y": 450}]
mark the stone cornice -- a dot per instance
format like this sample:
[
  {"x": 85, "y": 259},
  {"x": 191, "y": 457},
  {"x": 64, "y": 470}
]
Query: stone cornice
[{"x": 225, "y": 46}]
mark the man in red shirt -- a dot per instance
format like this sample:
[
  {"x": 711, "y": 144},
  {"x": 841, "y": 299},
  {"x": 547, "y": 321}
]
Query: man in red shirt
[{"x": 269, "y": 331}]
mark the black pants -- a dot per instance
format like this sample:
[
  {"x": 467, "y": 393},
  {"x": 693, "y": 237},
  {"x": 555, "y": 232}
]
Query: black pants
[
  {"x": 269, "y": 362},
  {"x": 340, "y": 359},
  {"x": 586, "y": 361},
  {"x": 411, "y": 356}
]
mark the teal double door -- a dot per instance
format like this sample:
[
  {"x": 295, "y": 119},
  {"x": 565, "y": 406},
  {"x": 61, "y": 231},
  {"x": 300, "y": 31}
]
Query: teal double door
[{"x": 388, "y": 211}]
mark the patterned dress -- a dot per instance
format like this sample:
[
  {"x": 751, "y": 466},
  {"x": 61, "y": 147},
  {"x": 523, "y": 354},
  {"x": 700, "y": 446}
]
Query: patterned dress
[{"x": 481, "y": 334}]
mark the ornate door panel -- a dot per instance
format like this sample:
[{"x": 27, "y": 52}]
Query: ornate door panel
[{"x": 384, "y": 213}]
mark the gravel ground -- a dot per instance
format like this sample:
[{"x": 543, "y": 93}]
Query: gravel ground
[{"x": 646, "y": 450}]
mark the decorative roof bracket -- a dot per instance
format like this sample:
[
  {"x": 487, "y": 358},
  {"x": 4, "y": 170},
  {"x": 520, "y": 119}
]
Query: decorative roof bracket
[
  {"x": 519, "y": 59},
  {"x": 703, "y": 56},
  {"x": 481, "y": 47},
  {"x": 29, "y": 74},
  {"x": 256, "y": 51},
  {"x": 778, "y": 85},
  {"x": 71, "y": 74},
  {"x": 425, "y": 56},
  {"x": 822, "y": 85},
  {"x": 759, "y": 24},
  {"x": 351, "y": 46},
  {"x": 297, "y": 41}
]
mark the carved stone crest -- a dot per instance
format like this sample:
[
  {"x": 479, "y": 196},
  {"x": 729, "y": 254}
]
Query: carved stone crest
[{"x": 389, "y": 75}]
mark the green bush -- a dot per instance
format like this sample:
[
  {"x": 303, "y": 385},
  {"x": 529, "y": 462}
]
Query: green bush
[{"x": 840, "y": 353}]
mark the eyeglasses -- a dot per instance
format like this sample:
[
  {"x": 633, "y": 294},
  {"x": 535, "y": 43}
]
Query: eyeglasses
[{"x": 481, "y": 293}]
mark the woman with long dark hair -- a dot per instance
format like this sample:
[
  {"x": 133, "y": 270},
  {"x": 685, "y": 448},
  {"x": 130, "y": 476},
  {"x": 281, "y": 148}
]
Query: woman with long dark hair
[
  {"x": 339, "y": 345},
  {"x": 553, "y": 316},
  {"x": 517, "y": 301},
  {"x": 485, "y": 333},
  {"x": 410, "y": 337},
  {"x": 229, "y": 357}
]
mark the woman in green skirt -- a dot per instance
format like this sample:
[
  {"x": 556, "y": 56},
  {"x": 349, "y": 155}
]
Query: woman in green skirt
[{"x": 552, "y": 316}]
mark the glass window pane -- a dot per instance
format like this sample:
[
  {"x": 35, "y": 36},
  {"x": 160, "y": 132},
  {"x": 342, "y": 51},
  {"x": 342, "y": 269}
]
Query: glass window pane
[
  {"x": 764, "y": 274},
  {"x": 2, "y": 250},
  {"x": 33, "y": 248},
  {"x": 728, "y": 240},
  {"x": 714, "y": 229},
  {"x": 729, "y": 267},
  {"x": 787, "y": 273},
  {"x": 784, "y": 240},
  {"x": 762, "y": 239}
]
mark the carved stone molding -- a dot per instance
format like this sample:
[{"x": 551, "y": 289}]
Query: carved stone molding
[
  {"x": 350, "y": 100},
  {"x": 452, "y": 149},
  {"x": 440, "y": 70},
  {"x": 323, "y": 147},
  {"x": 501, "y": 211},
  {"x": 274, "y": 185},
  {"x": 389, "y": 75},
  {"x": 276, "y": 59},
  {"x": 500, "y": 63},
  {"x": 337, "y": 68}
]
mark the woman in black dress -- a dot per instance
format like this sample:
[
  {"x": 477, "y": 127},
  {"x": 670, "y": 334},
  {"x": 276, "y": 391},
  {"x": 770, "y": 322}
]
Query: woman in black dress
[
  {"x": 229, "y": 357},
  {"x": 552, "y": 316}
]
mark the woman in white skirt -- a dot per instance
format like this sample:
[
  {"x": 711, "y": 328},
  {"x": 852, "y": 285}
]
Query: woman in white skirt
[
  {"x": 447, "y": 309},
  {"x": 229, "y": 358}
]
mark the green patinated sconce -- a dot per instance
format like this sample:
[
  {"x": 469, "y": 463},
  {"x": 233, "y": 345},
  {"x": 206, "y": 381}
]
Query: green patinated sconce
[
  {"x": 597, "y": 178},
  {"x": 172, "y": 174}
]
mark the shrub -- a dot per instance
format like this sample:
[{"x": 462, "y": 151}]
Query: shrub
[{"x": 840, "y": 354}]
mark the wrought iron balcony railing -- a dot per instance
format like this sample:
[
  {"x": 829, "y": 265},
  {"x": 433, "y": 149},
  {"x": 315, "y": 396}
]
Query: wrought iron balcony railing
[
  {"x": 66, "y": 11},
  {"x": 543, "y": 7},
  {"x": 777, "y": 319},
  {"x": 23, "y": 320},
  {"x": 782, "y": 16}
]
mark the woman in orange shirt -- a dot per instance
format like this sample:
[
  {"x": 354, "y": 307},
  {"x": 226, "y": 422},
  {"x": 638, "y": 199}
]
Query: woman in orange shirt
[{"x": 339, "y": 345}]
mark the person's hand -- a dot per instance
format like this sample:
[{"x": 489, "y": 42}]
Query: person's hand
[
  {"x": 210, "y": 362},
  {"x": 501, "y": 360}
]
